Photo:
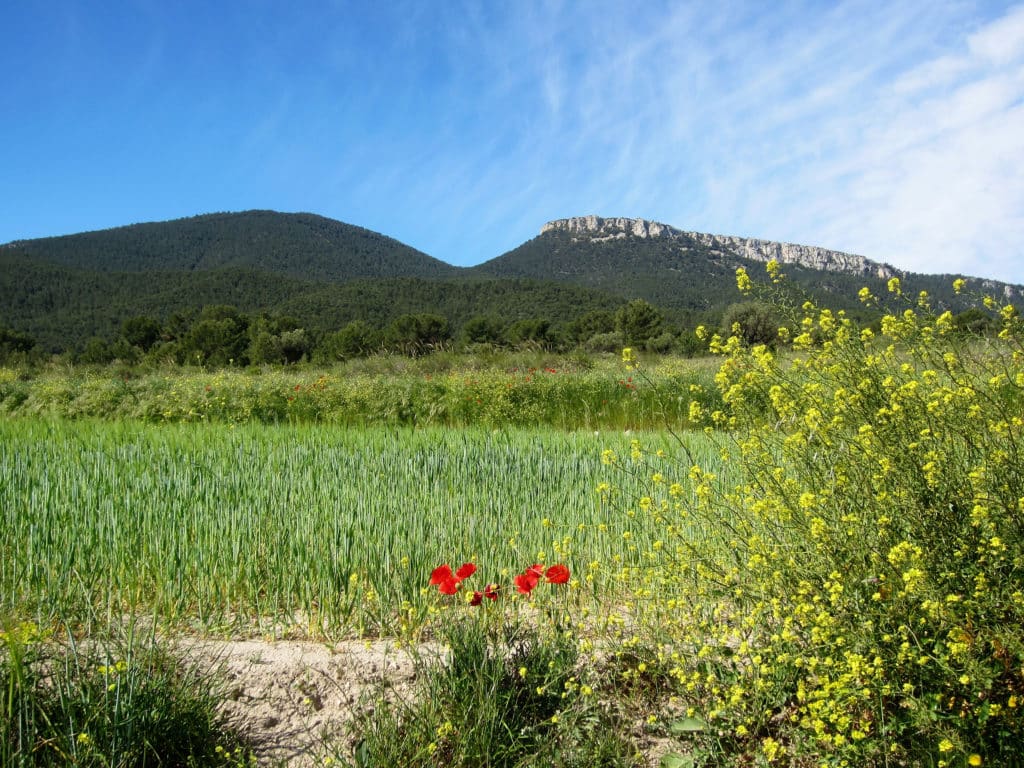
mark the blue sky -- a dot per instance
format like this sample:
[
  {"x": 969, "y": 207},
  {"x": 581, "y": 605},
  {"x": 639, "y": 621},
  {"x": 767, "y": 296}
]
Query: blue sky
[{"x": 890, "y": 129}]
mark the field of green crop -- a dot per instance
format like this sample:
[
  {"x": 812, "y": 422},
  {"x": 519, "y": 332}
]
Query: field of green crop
[
  {"x": 829, "y": 573},
  {"x": 312, "y": 528}
]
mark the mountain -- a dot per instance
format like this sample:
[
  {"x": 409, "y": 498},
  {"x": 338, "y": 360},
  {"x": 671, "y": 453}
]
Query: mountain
[
  {"x": 298, "y": 245},
  {"x": 64, "y": 290},
  {"x": 324, "y": 273},
  {"x": 691, "y": 270}
]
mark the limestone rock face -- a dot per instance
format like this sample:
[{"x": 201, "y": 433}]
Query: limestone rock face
[{"x": 597, "y": 229}]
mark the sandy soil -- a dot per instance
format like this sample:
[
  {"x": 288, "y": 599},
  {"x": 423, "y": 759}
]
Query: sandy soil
[{"x": 286, "y": 695}]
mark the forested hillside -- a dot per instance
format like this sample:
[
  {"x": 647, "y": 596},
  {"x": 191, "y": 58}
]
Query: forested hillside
[
  {"x": 300, "y": 245},
  {"x": 261, "y": 286}
]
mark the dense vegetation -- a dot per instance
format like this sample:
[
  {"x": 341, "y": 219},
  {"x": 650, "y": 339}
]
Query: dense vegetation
[
  {"x": 817, "y": 560},
  {"x": 681, "y": 274},
  {"x": 322, "y": 275}
]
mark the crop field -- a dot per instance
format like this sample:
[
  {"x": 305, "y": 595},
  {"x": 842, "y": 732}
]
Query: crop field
[
  {"x": 820, "y": 561},
  {"x": 313, "y": 528}
]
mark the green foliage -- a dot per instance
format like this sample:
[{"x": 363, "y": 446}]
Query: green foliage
[
  {"x": 483, "y": 329},
  {"x": 498, "y": 390},
  {"x": 219, "y": 337},
  {"x": 974, "y": 322},
  {"x": 507, "y": 697},
  {"x": 96, "y": 352},
  {"x": 851, "y": 591},
  {"x": 590, "y": 324},
  {"x": 305, "y": 529},
  {"x": 534, "y": 333},
  {"x": 754, "y": 321},
  {"x": 142, "y": 331},
  {"x": 415, "y": 335},
  {"x": 115, "y": 704},
  {"x": 357, "y": 339},
  {"x": 298, "y": 245},
  {"x": 63, "y": 291},
  {"x": 638, "y": 321},
  {"x": 14, "y": 345}
]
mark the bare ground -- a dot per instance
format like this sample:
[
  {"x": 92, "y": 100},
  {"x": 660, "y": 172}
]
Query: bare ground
[{"x": 286, "y": 696}]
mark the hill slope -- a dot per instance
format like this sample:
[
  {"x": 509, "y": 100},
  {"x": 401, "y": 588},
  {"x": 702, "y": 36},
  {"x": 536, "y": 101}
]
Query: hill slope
[
  {"x": 696, "y": 271},
  {"x": 300, "y": 245},
  {"x": 64, "y": 290}
]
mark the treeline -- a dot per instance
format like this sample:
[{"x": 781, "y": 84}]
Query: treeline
[{"x": 224, "y": 336}]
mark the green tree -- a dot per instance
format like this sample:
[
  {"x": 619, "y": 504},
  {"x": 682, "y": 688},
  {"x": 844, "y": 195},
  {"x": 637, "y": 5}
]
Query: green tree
[
  {"x": 757, "y": 323},
  {"x": 357, "y": 339},
  {"x": 535, "y": 333},
  {"x": 14, "y": 344},
  {"x": 638, "y": 321},
  {"x": 590, "y": 324},
  {"x": 96, "y": 352},
  {"x": 973, "y": 322},
  {"x": 295, "y": 345},
  {"x": 483, "y": 329},
  {"x": 265, "y": 349},
  {"x": 416, "y": 334},
  {"x": 218, "y": 337},
  {"x": 142, "y": 331}
]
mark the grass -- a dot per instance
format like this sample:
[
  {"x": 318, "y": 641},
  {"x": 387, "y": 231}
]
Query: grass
[
  {"x": 303, "y": 529},
  {"x": 506, "y": 697},
  {"x": 117, "y": 702},
  {"x": 831, "y": 576},
  {"x": 564, "y": 393}
]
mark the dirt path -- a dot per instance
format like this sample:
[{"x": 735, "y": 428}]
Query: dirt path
[{"x": 286, "y": 695}]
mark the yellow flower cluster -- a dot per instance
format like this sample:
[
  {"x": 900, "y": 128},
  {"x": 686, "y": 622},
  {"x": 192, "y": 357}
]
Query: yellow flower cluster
[{"x": 849, "y": 592}]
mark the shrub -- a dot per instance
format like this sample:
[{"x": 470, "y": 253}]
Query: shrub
[{"x": 853, "y": 596}]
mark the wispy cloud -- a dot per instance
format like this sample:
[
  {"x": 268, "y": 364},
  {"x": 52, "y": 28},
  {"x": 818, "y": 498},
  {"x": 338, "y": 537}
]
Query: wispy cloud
[
  {"x": 894, "y": 130},
  {"x": 879, "y": 129}
]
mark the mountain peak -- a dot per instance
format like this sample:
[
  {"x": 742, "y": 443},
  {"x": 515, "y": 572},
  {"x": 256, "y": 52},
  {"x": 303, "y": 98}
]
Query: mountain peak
[
  {"x": 610, "y": 229},
  {"x": 598, "y": 229}
]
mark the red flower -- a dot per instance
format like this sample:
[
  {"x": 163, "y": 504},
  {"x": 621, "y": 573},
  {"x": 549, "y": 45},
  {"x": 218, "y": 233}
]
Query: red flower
[
  {"x": 491, "y": 591},
  {"x": 443, "y": 573},
  {"x": 448, "y": 582},
  {"x": 478, "y": 597},
  {"x": 557, "y": 574},
  {"x": 525, "y": 582},
  {"x": 448, "y": 586},
  {"x": 536, "y": 569}
]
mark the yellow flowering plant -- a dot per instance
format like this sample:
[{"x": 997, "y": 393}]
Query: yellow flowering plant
[{"x": 851, "y": 593}]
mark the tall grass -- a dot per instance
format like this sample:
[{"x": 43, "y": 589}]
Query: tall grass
[
  {"x": 310, "y": 528},
  {"x": 564, "y": 394},
  {"x": 116, "y": 702}
]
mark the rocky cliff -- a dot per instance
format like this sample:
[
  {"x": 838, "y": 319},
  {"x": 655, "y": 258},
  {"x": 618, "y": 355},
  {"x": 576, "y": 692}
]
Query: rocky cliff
[{"x": 598, "y": 229}]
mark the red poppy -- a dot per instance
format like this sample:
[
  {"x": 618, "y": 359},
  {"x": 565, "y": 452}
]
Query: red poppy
[
  {"x": 525, "y": 582},
  {"x": 448, "y": 586},
  {"x": 440, "y": 574},
  {"x": 465, "y": 571},
  {"x": 478, "y": 597},
  {"x": 557, "y": 574},
  {"x": 491, "y": 591},
  {"x": 536, "y": 569}
]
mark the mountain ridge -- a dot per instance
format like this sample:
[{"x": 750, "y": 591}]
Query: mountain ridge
[
  {"x": 756, "y": 249},
  {"x": 64, "y": 289}
]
